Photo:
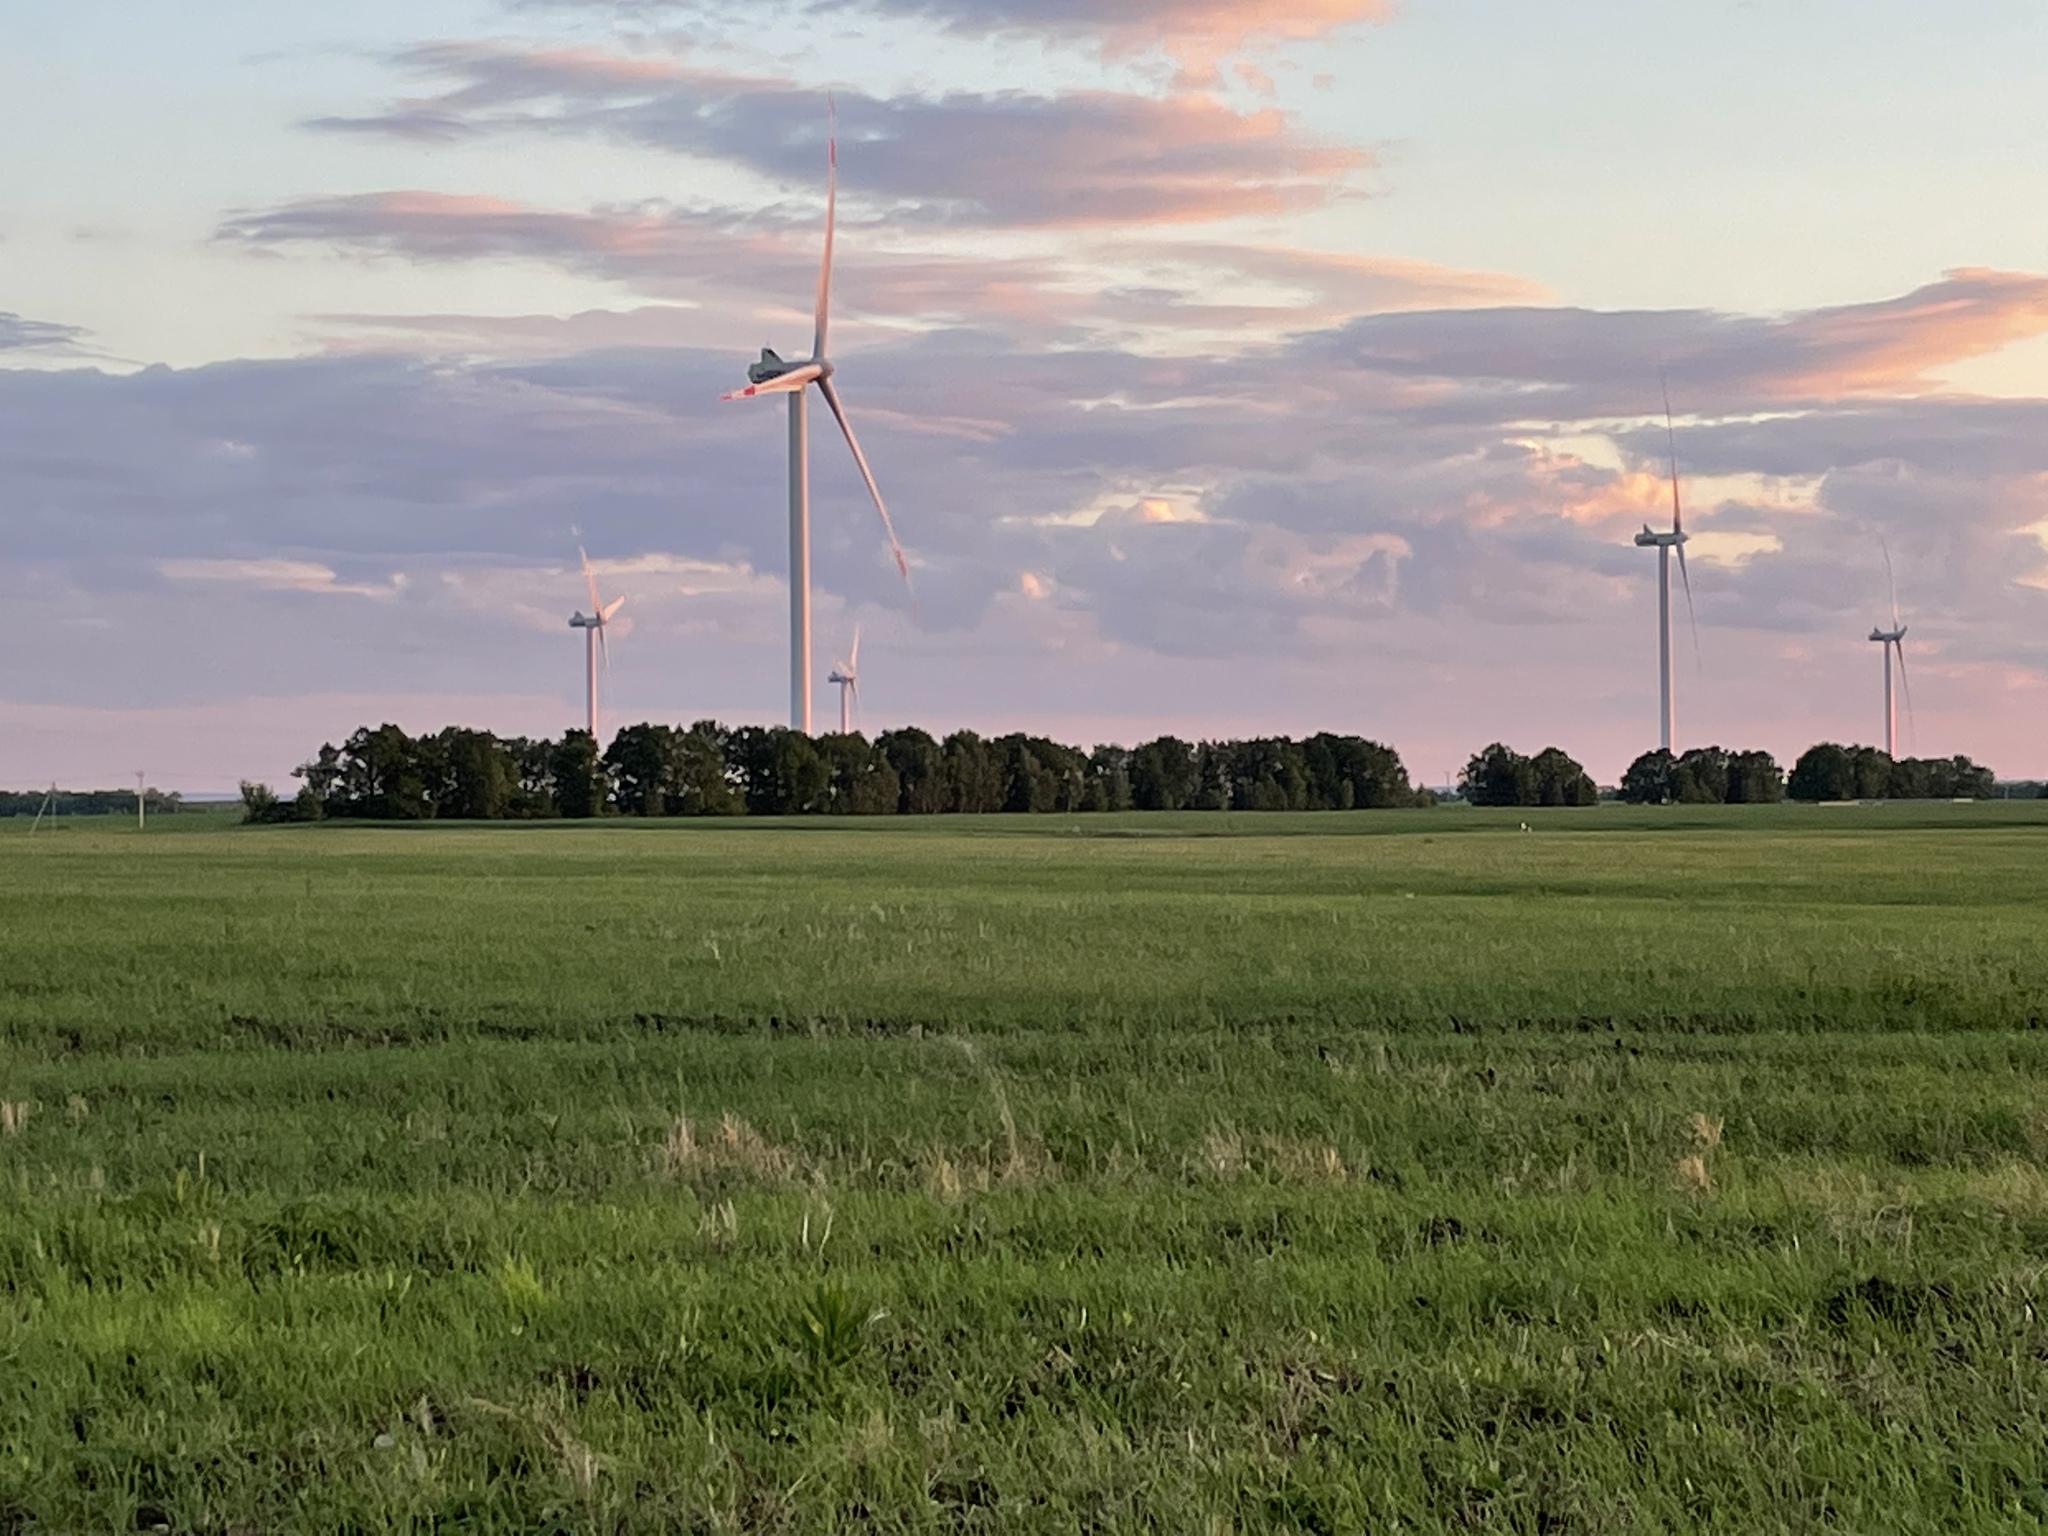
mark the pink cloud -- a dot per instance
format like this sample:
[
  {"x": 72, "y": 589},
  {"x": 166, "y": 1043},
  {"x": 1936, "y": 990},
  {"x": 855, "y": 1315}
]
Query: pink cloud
[
  {"x": 1077, "y": 159},
  {"x": 1198, "y": 34},
  {"x": 1892, "y": 346}
]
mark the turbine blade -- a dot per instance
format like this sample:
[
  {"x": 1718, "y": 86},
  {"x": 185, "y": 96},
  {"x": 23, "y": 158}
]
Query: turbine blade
[
  {"x": 824, "y": 315},
  {"x": 590, "y": 581},
  {"x": 612, "y": 607},
  {"x": 604, "y": 648},
  {"x": 1691, "y": 618},
  {"x": 1890, "y": 580},
  {"x": 1671, "y": 438},
  {"x": 853, "y": 661},
  {"x": 831, "y": 394},
  {"x": 1906, "y": 687}
]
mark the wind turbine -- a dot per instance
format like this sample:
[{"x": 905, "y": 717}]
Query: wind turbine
[
  {"x": 774, "y": 375},
  {"x": 1893, "y": 641},
  {"x": 847, "y": 675},
  {"x": 593, "y": 625},
  {"x": 1664, "y": 544}
]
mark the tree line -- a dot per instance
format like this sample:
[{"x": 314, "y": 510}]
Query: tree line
[
  {"x": 1825, "y": 771},
  {"x": 85, "y": 802},
  {"x": 1829, "y": 771},
  {"x": 709, "y": 769}
]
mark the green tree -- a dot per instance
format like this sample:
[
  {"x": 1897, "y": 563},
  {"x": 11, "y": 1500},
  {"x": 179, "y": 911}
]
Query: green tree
[
  {"x": 1754, "y": 778},
  {"x": 533, "y": 790},
  {"x": 1824, "y": 771},
  {"x": 1559, "y": 780},
  {"x": 1029, "y": 784},
  {"x": 801, "y": 777},
  {"x": 260, "y": 803},
  {"x": 578, "y": 775},
  {"x": 1873, "y": 771},
  {"x": 380, "y": 777},
  {"x": 973, "y": 774},
  {"x": 641, "y": 762},
  {"x": 704, "y": 783},
  {"x": 920, "y": 767},
  {"x": 1163, "y": 775},
  {"x": 479, "y": 779},
  {"x": 1703, "y": 777},
  {"x": 1652, "y": 779},
  {"x": 1109, "y": 780},
  {"x": 1266, "y": 774},
  {"x": 859, "y": 780},
  {"x": 1349, "y": 772},
  {"x": 1213, "y": 789},
  {"x": 1498, "y": 775}
]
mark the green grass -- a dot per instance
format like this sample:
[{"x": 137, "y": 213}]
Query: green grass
[{"x": 1398, "y": 1171}]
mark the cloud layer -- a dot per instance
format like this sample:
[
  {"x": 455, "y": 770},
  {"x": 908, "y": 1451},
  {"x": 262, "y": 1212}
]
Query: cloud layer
[{"x": 1299, "y": 507}]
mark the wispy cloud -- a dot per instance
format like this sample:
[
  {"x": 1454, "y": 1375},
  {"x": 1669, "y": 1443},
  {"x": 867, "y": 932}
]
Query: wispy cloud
[
  {"x": 1078, "y": 158},
  {"x": 21, "y": 335},
  {"x": 270, "y": 575},
  {"x": 1197, "y": 33}
]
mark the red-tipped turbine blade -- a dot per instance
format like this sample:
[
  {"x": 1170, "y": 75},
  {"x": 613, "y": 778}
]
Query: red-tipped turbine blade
[
  {"x": 839, "y": 413},
  {"x": 782, "y": 384}
]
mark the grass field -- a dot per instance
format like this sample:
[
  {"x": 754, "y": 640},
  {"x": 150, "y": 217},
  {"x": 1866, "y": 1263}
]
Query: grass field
[{"x": 1391, "y": 1171}]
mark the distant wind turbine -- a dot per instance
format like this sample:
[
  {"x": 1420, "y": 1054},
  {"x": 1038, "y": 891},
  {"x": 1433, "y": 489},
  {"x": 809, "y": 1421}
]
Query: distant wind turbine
[
  {"x": 1664, "y": 544},
  {"x": 774, "y": 375},
  {"x": 1894, "y": 642},
  {"x": 847, "y": 675},
  {"x": 593, "y": 625}
]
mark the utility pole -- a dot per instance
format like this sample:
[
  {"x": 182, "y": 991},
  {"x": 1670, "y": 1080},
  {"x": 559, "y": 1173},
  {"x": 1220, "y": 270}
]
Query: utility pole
[{"x": 140, "y": 800}]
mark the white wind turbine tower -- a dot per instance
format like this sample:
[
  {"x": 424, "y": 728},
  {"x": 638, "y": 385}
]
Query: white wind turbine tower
[
  {"x": 593, "y": 625},
  {"x": 774, "y": 375},
  {"x": 1664, "y": 544},
  {"x": 1894, "y": 642},
  {"x": 847, "y": 675}
]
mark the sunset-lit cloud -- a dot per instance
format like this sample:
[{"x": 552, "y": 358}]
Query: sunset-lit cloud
[
  {"x": 1075, "y": 159},
  {"x": 1197, "y": 33}
]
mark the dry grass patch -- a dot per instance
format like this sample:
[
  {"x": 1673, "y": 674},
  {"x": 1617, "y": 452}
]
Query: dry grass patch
[
  {"x": 1227, "y": 1154},
  {"x": 1223, "y": 1153},
  {"x": 732, "y": 1147},
  {"x": 1023, "y": 1165},
  {"x": 1692, "y": 1172}
]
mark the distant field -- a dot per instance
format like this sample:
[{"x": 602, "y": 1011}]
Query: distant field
[{"x": 1392, "y": 1170}]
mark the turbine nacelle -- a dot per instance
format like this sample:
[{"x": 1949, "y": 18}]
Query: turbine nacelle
[
  {"x": 1888, "y": 636},
  {"x": 1651, "y": 538},
  {"x": 773, "y": 367}
]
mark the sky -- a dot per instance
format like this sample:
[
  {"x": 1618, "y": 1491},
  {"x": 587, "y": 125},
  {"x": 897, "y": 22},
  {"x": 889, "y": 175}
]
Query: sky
[{"x": 1232, "y": 367}]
